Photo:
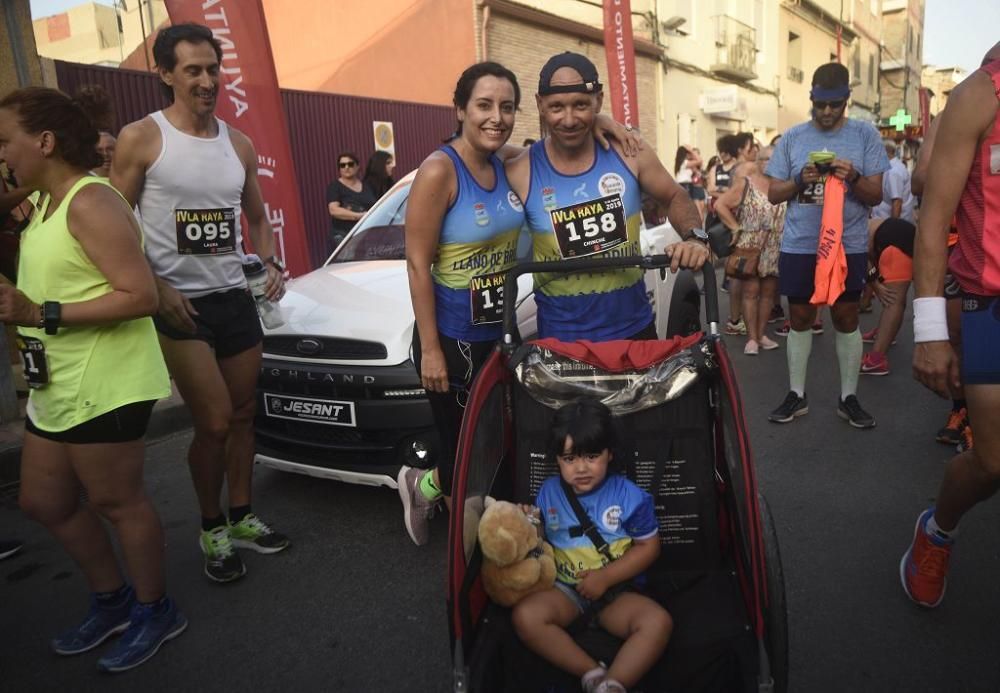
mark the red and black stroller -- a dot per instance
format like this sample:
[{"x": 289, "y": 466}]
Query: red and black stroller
[{"x": 678, "y": 407}]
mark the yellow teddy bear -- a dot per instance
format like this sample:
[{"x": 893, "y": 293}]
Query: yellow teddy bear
[{"x": 517, "y": 561}]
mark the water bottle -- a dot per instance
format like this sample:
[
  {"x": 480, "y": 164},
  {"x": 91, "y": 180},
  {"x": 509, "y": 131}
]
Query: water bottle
[{"x": 256, "y": 274}]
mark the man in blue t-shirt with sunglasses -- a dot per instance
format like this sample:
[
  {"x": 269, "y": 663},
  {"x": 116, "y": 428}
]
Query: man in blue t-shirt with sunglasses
[{"x": 851, "y": 151}]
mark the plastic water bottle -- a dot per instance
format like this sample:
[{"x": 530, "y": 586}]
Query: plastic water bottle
[{"x": 256, "y": 274}]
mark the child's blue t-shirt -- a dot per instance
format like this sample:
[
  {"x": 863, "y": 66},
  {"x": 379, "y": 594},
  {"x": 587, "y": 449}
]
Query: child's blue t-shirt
[
  {"x": 856, "y": 141},
  {"x": 621, "y": 511}
]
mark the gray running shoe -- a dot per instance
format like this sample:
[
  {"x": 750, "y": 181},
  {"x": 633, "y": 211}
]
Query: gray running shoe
[
  {"x": 417, "y": 509},
  {"x": 850, "y": 410},
  {"x": 792, "y": 406}
]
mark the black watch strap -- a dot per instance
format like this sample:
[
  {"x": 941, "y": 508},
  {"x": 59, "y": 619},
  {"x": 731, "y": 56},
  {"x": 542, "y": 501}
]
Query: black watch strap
[{"x": 51, "y": 316}]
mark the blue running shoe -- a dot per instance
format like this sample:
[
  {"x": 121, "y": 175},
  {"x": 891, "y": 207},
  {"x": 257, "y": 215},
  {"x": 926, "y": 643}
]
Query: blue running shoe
[
  {"x": 99, "y": 625},
  {"x": 147, "y": 631}
]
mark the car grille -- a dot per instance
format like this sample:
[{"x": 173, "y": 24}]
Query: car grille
[
  {"x": 314, "y": 434},
  {"x": 329, "y": 348}
]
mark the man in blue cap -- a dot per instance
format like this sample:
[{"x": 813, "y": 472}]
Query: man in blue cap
[
  {"x": 581, "y": 200},
  {"x": 852, "y": 151}
]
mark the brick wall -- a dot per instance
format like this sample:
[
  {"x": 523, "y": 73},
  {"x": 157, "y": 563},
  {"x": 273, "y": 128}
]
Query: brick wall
[{"x": 524, "y": 48}]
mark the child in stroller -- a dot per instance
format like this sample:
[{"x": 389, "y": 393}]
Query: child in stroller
[{"x": 598, "y": 564}]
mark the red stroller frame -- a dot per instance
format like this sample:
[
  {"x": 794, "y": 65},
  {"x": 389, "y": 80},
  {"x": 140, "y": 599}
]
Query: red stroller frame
[{"x": 719, "y": 573}]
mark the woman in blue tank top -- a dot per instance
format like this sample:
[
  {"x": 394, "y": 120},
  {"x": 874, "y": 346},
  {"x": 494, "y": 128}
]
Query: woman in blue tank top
[
  {"x": 463, "y": 222},
  {"x": 462, "y": 226}
]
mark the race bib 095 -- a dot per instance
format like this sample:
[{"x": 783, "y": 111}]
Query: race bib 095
[
  {"x": 205, "y": 231},
  {"x": 588, "y": 228}
]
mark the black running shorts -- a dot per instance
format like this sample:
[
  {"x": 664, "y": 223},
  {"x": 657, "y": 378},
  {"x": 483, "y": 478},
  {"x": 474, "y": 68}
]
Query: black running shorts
[
  {"x": 226, "y": 320},
  {"x": 122, "y": 425}
]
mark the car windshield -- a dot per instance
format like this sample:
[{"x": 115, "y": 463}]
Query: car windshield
[{"x": 380, "y": 235}]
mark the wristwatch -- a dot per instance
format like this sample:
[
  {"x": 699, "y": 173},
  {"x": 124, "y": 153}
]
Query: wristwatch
[
  {"x": 51, "y": 316},
  {"x": 698, "y": 234},
  {"x": 276, "y": 262}
]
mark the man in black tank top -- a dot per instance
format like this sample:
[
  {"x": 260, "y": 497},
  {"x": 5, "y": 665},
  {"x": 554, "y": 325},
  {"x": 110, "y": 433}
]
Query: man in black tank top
[{"x": 212, "y": 340}]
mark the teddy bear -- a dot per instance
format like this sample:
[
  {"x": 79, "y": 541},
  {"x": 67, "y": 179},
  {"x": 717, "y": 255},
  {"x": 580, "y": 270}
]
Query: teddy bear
[{"x": 516, "y": 561}]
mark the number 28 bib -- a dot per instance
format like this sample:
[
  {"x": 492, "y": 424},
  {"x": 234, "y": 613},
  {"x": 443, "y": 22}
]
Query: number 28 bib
[
  {"x": 812, "y": 194},
  {"x": 205, "y": 231},
  {"x": 591, "y": 227}
]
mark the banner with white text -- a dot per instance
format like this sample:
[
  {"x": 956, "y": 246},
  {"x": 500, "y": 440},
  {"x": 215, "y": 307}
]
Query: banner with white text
[
  {"x": 249, "y": 101},
  {"x": 620, "y": 53}
]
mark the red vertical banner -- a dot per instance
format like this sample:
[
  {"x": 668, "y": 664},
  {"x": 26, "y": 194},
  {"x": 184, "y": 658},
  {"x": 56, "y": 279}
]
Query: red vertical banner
[
  {"x": 924, "y": 95},
  {"x": 249, "y": 100},
  {"x": 620, "y": 53}
]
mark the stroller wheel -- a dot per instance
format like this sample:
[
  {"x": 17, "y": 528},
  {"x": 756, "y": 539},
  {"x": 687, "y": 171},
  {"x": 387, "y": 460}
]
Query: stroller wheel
[{"x": 776, "y": 612}]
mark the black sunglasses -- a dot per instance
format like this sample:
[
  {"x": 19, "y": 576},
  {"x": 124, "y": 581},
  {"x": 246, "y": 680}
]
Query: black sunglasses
[
  {"x": 347, "y": 164},
  {"x": 835, "y": 105}
]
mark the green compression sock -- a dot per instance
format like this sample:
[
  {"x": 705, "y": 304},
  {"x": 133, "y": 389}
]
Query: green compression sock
[
  {"x": 799, "y": 347},
  {"x": 849, "y": 352},
  {"x": 428, "y": 487}
]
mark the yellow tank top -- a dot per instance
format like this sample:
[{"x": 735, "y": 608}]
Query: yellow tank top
[{"x": 95, "y": 369}]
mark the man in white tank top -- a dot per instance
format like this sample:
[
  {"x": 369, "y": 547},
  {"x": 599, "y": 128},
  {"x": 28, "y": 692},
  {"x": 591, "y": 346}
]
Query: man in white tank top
[{"x": 191, "y": 175}]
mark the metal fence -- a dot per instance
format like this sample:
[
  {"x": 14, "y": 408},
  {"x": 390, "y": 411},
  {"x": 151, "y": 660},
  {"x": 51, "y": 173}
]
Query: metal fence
[{"x": 320, "y": 126}]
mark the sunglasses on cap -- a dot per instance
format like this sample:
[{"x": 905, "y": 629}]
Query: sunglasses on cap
[
  {"x": 347, "y": 164},
  {"x": 835, "y": 105}
]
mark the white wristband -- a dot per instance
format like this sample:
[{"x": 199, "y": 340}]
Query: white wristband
[{"x": 930, "y": 319}]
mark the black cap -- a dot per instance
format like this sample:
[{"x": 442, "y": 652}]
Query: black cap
[{"x": 580, "y": 63}]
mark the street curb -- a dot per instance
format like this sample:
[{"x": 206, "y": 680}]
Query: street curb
[{"x": 169, "y": 416}]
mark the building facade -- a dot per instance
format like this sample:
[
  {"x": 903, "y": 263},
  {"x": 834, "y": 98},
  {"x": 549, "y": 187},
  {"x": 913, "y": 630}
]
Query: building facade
[
  {"x": 939, "y": 81},
  {"x": 814, "y": 32},
  {"x": 902, "y": 51},
  {"x": 97, "y": 34}
]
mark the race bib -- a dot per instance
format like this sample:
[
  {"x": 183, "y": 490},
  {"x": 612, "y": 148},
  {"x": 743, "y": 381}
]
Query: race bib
[
  {"x": 36, "y": 367},
  {"x": 486, "y": 297},
  {"x": 812, "y": 194},
  {"x": 205, "y": 231},
  {"x": 588, "y": 228}
]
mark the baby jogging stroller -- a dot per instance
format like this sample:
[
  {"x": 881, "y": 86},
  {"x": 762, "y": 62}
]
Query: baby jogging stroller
[{"x": 684, "y": 440}]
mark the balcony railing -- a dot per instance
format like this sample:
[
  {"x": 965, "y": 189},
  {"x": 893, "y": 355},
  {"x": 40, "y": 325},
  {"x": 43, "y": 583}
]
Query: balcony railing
[
  {"x": 735, "y": 48},
  {"x": 795, "y": 74}
]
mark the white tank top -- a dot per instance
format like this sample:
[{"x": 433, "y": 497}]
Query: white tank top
[{"x": 190, "y": 209}]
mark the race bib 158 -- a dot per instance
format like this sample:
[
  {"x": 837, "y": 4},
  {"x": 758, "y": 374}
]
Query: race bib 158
[
  {"x": 206, "y": 231},
  {"x": 590, "y": 227}
]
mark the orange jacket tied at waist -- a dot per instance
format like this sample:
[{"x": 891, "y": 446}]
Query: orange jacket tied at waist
[{"x": 831, "y": 261}]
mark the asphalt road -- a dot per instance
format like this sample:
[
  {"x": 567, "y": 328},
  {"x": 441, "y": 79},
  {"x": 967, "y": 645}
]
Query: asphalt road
[{"x": 354, "y": 606}]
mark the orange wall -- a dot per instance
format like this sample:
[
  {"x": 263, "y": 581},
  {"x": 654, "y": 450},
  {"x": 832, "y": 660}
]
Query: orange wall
[{"x": 411, "y": 50}]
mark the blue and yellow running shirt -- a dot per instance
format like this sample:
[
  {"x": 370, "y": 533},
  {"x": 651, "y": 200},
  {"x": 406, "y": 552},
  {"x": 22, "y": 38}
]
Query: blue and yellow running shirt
[
  {"x": 478, "y": 243},
  {"x": 621, "y": 511},
  {"x": 587, "y": 210}
]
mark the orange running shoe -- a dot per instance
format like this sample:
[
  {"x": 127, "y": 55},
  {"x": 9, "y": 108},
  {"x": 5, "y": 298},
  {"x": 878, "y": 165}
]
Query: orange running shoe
[
  {"x": 965, "y": 443},
  {"x": 924, "y": 568},
  {"x": 951, "y": 434}
]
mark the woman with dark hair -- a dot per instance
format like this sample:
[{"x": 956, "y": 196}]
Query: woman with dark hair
[
  {"x": 378, "y": 173},
  {"x": 687, "y": 173},
  {"x": 463, "y": 222},
  {"x": 82, "y": 303},
  {"x": 462, "y": 226},
  {"x": 347, "y": 198}
]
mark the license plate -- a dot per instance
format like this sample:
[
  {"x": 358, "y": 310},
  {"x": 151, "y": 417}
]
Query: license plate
[{"x": 322, "y": 411}]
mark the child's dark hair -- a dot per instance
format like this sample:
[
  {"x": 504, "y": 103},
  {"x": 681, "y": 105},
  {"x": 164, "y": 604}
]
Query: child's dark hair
[
  {"x": 74, "y": 121},
  {"x": 467, "y": 82},
  {"x": 588, "y": 422}
]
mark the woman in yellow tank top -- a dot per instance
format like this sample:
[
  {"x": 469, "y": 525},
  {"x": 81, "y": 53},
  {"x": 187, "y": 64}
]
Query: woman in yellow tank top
[{"x": 82, "y": 305}]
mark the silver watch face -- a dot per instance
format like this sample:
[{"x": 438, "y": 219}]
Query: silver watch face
[{"x": 700, "y": 234}]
